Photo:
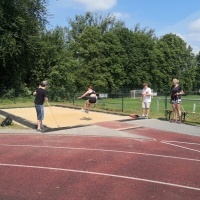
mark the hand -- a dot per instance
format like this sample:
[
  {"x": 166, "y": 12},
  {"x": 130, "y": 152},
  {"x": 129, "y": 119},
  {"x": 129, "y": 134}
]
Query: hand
[{"x": 79, "y": 98}]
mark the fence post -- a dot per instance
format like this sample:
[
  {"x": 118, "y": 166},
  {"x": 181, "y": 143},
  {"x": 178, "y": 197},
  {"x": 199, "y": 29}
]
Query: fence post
[
  {"x": 166, "y": 94},
  {"x": 73, "y": 99},
  {"x": 122, "y": 99},
  {"x": 158, "y": 105},
  {"x": 15, "y": 95}
]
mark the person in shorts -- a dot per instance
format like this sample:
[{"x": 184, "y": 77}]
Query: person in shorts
[
  {"x": 176, "y": 92},
  {"x": 146, "y": 100},
  {"x": 40, "y": 97},
  {"x": 92, "y": 99}
]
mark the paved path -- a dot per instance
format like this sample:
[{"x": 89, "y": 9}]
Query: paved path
[{"x": 96, "y": 130}]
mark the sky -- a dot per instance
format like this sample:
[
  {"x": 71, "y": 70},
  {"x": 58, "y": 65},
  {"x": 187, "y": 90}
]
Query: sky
[{"x": 181, "y": 17}]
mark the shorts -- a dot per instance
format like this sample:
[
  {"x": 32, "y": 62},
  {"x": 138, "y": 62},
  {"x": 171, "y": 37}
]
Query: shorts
[
  {"x": 146, "y": 105},
  {"x": 39, "y": 111},
  {"x": 176, "y": 101},
  {"x": 92, "y": 99}
]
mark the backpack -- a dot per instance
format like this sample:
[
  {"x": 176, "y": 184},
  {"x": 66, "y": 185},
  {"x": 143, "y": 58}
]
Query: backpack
[{"x": 7, "y": 121}]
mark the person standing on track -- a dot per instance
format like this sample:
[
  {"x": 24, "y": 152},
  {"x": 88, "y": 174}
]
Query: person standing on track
[
  {"x": 176, "y": 92},
  {"x": 146, "y": 100},
  {"x": 40, "y": 96},
  {"x": 92, "y": 99}
]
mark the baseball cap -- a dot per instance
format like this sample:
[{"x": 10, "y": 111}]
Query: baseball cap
[{"x": 43, "y": 83}]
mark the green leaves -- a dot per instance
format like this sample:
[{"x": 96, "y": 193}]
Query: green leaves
[
  {"x": 175, "y": 61},
  {"x": 21, "y": 21},
  {"x": 93, "y": 50}
]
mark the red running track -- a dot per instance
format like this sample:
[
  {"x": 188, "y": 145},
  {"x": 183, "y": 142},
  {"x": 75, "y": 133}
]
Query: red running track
[{"x": 55, "y": 167}]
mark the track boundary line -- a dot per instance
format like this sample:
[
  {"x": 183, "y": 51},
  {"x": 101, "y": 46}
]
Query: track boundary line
[
  {"x": 169, "y": 143},
  {"x": 104, "y": 150},
  {"x": 102, "y": 174},
  {"x": 181, "y": 142}
]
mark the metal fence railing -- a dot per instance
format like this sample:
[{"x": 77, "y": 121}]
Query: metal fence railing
[{"x": 115, "y": 102}]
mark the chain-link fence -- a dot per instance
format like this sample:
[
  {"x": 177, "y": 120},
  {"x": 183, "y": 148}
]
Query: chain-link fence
[{"x": 120, "y": 102}]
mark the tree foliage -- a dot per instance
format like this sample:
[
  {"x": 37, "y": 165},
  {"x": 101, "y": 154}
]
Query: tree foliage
[
  {"x": 92, "y": 50},
  {"x": 175, "y": 60},
  {"x": 21, "y": 24}
]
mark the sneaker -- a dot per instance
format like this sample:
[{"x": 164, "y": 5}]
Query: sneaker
[
  {"x": 179, "y": 122},
  {"x": 87, "y": 111},
  {"x": 82, "y": 110},
  {"x": 146, "y": 117},
  {"x": 40, "y": 130},
  {"x": 141, "y": 116},
  {"x": 172, "y": 121}
]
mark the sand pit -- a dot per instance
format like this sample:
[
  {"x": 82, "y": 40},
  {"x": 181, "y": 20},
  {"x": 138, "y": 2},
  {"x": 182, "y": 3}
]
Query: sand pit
[{"x": 64, "y": 117}]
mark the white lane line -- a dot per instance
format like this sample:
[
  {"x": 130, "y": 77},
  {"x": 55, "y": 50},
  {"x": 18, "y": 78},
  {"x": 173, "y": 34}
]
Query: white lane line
[
  {"x": 166, "y": 142},
  {"x": 180, "y": 142},
  {"x": 104, "y": 150},
  {"x": 103, "y": 174}
]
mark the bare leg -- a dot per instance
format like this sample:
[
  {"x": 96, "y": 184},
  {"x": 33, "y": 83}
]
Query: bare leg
[
  {"x": 143, "y": 111},
  {"x": 174, "y": 111},
  {"x": 87, "y": 105},
  {"x": 179, "y": 111},
  {"x": 147, "y": 111},
  {"x": 39, "y": 124}
]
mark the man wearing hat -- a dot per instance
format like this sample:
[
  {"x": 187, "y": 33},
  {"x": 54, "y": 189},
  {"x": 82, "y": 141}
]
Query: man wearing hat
[{"x": 40, "y": 96}]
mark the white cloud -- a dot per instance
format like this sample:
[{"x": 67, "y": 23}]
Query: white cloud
[
  {"x": 188, "y": 29},
  {"x": 180, "y": 35},
  {"x": 120, "y": 15},
  {"x": 96, "y": 5},
  {"x": 194, "y": 26},
  {"x": 194, "y": 36}
]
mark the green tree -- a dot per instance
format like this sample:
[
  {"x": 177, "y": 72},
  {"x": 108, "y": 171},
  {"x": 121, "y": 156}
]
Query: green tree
[
  {"x": 97, "y": 50},
  {"x": 100, "y": 56},
  {"x": 55, "y": 62},
  {"x": 89, "y": 19},
  {"x": 197, "y": 78},
  {"x": 174, "y": 60},
  {"x": 139, "y": 58},
  {"x": 21, "y": 22}
]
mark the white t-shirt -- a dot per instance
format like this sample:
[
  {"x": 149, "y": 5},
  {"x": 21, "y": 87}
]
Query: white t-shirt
[{"x": 146, "y": 91}]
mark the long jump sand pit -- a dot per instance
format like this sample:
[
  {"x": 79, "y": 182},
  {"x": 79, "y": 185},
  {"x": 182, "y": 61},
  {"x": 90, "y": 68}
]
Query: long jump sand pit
[{"x": 61, "y": 117}]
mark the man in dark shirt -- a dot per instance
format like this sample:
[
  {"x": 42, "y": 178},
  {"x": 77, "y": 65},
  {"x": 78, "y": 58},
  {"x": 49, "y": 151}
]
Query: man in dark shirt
[{"x": 40, "y": 97}]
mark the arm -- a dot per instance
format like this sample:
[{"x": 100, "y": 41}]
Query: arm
[
  {"x": 83, "y": 95},
  {"x": 180, "y": 93},
  {"x": 45, "y": 95},
  {"x": 148, "y": 93},
  {"x": 141, "y": 97}
]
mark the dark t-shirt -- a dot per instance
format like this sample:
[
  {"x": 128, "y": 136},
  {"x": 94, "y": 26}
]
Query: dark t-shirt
[
  {"x": 174, "y": 91},
  {"x": 40, "y": 96}
]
